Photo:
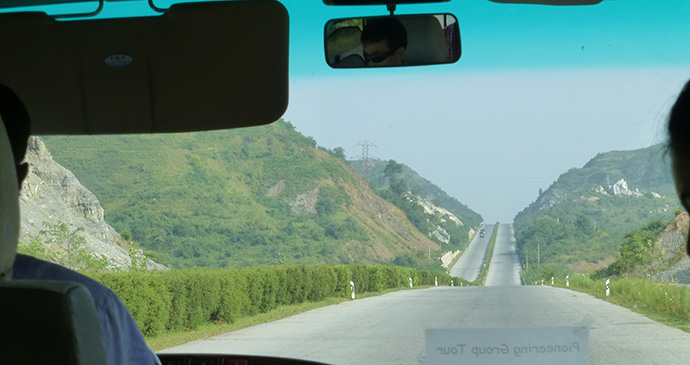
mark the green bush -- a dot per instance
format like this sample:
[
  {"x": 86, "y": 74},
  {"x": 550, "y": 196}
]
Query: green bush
[{"x": 182, "y": 300}]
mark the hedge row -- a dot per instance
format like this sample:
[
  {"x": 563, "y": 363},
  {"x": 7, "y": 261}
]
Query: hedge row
[{"x": 163, "y": 301}]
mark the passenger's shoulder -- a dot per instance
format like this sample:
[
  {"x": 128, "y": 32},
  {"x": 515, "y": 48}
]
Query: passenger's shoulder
[{"x": 31, "y": 268}]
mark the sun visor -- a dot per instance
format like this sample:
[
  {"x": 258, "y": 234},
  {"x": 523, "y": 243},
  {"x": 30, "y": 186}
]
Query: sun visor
[{"x": 199, "y": 66}]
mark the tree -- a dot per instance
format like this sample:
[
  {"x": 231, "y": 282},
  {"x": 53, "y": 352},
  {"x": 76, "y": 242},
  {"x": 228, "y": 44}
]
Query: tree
[
  {"x": 638, "y": 248},
  {"x": 70, "y": 252},
  {"x": 339, "y": 152},
  {"x": 392, "y": 168},
  {"x": 138, "y": 260},
  {"x": 36, "y": 249}
]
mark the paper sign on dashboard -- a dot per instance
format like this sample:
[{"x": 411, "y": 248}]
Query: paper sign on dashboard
[{"x": 538, "y": 345}]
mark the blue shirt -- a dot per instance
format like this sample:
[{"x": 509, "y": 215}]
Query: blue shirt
[{"x": 124, "y": 343}]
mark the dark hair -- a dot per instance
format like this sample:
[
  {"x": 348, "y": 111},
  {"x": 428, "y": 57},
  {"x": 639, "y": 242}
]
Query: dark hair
[
  {"x": 16, "y": 120},
  {"x": 679, "y": 122},
  {"x": 389, "y": 29}
]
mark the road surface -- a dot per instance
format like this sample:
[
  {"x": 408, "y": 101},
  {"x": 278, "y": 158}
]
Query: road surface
[
  {"x": 469, "y": 265},
  {"x": 505, "y": 267},
  {"x": 390, "y": 329}
]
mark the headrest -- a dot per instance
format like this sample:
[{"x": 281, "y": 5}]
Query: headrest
[
  {"x": 9, "y": 207},
  {"x": 341, "y": 42},
  {"x": 49, "y": 322},
  {"x": 426, "y": 41}
]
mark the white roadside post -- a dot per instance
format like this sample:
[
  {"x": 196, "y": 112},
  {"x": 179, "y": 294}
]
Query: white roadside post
[
  {"x": 542, "y": 282},
  {"x": 552, "y": 281},
  {"x": 435, "y": 280},
  {"x": 410, "y": 282},
  {"x": 452, "y": 283},
  {"x": 567, "y": 280},
  {"x": 608, "y": 288},
  {"x": 352, "y": 286}
]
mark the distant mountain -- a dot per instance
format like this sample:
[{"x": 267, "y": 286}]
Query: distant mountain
[
  {"x": 446, "y": 220},
  {"x": 253, "y": 196},
  {"x": 580, "y": 220}
]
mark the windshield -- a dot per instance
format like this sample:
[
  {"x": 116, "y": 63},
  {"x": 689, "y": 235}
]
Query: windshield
[{"x": 535, "y": 160}]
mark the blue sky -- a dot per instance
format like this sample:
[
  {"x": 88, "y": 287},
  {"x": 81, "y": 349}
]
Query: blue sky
[{"x": 538, "y": 90}]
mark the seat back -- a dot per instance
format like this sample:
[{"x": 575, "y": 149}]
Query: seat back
[
  {"x": 49, "y": 322},
  {"x": 40, "y": 322}
]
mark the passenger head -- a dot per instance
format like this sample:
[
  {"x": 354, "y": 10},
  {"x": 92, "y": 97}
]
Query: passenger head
[
  {"x": 9, "y": 207},
  {"x": 384, "y": 41},
  {"x": 679, "y": 147},
  {"x": 17, "y": 124}
]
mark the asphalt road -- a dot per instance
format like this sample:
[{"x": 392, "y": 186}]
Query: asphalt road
[
  {"x": 469, "y": 265},
  {"x": 390, "y": 329},
  {"x": 505, "y": 267}
]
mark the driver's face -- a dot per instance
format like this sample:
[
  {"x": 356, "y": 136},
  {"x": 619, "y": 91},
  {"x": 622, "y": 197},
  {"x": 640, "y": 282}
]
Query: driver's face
[{"x": 378, "y": 54}]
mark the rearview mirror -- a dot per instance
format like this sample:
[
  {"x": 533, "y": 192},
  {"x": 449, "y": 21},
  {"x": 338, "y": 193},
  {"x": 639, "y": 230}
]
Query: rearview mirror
[{"x": 392, "y": 41}]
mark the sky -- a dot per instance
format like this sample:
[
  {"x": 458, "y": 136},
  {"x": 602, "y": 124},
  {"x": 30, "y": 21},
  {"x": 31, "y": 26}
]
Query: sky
[{"x": 538, "y": 90}]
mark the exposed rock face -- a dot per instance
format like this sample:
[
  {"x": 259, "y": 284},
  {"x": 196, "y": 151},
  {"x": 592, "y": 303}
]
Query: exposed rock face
[
  {"x": 672, "y": 240},
  {"x": 621, "y": 188},
  {"x": 276, "y": 189},
  {"x": 53, "y": 194},
  {"x": 449, "y": 257},
  {"x": 305, "y": 203},
  {"x": 430, "y": 208}
]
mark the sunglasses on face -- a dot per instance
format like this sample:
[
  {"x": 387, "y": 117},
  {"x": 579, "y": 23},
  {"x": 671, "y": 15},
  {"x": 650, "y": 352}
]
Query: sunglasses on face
[{"x": 377, "y": 58}]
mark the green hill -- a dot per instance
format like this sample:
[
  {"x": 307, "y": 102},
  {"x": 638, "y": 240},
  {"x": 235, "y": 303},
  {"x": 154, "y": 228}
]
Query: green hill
[
  {"x": 580, "y": 220},
  {"x": 262, "y": 195},
  {"x": 444, "y": 218}
]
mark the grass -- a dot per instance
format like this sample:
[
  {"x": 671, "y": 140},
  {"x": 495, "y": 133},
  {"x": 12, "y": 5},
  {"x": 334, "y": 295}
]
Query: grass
[
  {"x": 661, "y": 301},
  {"x": 172, "y": 339}
]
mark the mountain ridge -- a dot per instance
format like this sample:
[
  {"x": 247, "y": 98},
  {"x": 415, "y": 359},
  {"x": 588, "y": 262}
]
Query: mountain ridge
[
  {"x": 581, "y": 219},
  {"x": 253, "y": 196}
]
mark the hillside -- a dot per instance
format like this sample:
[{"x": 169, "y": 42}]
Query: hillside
[
  {"x": 442, "y": 217},
  {"x": 54, "y": 204},
  {"x": 580, "y": 220},
  {"x": 262, "y": 195},
  {"x": 654, "y": 251},
  {"x": 673, "y": 263}
]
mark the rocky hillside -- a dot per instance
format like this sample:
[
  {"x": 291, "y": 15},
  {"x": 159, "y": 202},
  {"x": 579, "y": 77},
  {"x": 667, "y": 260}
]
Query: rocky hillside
[
  {"x": 443, "y": 218},
  {"x": 674, "y": 265},
  {"x": 581, "y": 219},
  {"x": 51, "y": 194}
]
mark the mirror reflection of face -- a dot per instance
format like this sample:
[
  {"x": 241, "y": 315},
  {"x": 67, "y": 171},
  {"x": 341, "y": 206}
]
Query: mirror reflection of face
[{"x": 377, "y": 54}]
